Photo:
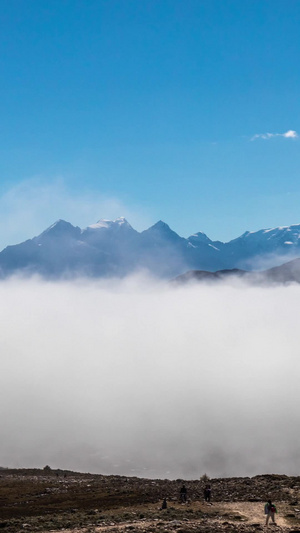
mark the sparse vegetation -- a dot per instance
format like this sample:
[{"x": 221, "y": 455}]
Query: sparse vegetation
[
  {"x": 205, "y": 478},
  {"x": 43, "y": 500}
]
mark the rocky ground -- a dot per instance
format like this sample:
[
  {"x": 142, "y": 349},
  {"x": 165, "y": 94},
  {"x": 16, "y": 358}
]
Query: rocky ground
[{"x": 55, "y": 500}]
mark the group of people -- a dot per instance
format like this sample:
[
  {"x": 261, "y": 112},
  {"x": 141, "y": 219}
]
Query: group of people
[
  {"x": 270, "y": 508},
  {"x": 183, "y": 493}
]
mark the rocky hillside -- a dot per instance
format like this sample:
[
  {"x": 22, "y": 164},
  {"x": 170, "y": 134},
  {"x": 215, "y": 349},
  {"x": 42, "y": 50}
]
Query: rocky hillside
[{"x": 53, "y": 500}]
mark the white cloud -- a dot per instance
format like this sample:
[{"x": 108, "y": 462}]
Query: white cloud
[
  {"x": 30, "y": 207},
  {"x": 147, "y": 380},
  {"x": 290, "y": 134}
]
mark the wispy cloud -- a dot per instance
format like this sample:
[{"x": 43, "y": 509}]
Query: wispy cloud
[{"x": 290, "y": 134}]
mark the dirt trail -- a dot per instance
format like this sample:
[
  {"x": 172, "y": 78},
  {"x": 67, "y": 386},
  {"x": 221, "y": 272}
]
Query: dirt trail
[
  {"x": 237, "y": 513},
  {"x": 252, "y": 511}
]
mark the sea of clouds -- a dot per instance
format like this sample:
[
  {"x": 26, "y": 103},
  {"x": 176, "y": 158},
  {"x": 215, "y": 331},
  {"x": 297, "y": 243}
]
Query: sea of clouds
[{"x": 137, "y": 377}]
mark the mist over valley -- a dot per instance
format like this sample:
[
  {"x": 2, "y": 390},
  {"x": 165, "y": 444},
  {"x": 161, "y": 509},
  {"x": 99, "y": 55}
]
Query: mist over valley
[{"x": 135, "y": 377}]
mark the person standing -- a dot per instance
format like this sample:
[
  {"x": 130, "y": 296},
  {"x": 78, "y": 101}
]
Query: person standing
[
  {"x": 270, "y": 510},
  {"x": 183, "y": 494},
  {"x": 207, "y": 493},
  {"x": 164, "y": 504}
]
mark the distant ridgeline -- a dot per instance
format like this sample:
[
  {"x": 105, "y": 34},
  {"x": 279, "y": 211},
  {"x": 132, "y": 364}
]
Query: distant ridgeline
[{"x": 114, "y": 248}]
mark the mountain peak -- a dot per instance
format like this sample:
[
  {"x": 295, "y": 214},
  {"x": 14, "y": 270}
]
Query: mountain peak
[
  {"x": 61, "y": 223},
  {"x": 59, "y": 226},
  {"x": 59, "y": 230},
  {"x": 161, "y": 226},
  {"x": 199, "y": 237},
  {"x": 162, "y": 232}
]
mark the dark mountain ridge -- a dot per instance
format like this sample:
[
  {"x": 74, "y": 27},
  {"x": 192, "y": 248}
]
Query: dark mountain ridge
[{"x": 286, "y": 273}]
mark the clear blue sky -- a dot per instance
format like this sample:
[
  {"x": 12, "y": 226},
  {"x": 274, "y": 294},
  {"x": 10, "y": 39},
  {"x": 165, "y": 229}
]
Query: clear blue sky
[{"x": 151, "y": 110}]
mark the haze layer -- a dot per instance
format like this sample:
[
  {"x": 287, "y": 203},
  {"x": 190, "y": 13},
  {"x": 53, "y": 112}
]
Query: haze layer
[{"x": 138, "y": 378}]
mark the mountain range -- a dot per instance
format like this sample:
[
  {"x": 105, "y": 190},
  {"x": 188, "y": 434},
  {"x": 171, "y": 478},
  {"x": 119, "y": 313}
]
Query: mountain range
[{"x": 115, "y": 248}]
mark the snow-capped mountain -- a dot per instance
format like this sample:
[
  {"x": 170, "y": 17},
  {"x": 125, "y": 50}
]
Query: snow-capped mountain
[{"x": 114, "y": 248}]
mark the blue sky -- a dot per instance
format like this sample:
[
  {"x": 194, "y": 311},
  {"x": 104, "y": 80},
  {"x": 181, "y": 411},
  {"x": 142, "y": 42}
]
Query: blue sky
[{"x": 150, "y": 110}]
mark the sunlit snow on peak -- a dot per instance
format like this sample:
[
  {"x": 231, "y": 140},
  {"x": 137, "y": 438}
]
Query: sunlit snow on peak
[{"x": 104, "y": 223}]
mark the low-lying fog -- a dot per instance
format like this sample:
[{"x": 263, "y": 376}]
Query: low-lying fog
[{"x": 137, "y": 378}]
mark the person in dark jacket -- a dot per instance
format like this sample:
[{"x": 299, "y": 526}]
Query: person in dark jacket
[
  {"x": 207, "y": 493},
  {"x": 183, "y": 494},
  {"x": 164, "y": 504}
]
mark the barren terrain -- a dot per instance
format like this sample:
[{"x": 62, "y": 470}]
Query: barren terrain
[{"x": 56, "y": 500}]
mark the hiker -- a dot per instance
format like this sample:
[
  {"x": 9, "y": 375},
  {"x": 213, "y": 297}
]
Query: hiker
[
  {"x": 183, "y": 493},
  {"x": 164, "y": 503},
  {"x": 207, "y": 493},
  {"x": 270, "y": 510}
]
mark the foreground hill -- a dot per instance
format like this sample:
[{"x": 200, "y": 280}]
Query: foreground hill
[
  {"x": 114, "y": 248},
  {"x": 52, "y": 500},
  {"x": 286, "y": 273}
]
